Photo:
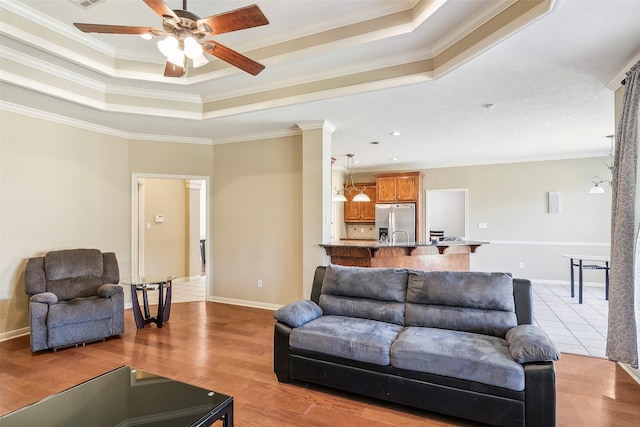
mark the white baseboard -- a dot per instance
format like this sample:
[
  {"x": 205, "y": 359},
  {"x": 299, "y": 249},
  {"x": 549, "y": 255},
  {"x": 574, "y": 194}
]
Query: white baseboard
[
  {"x": 566, "y": 283},
  {"x": 15, "y": 334},
  {"x": 245, "y": 303},
  {"x": 633, "y": 372}
]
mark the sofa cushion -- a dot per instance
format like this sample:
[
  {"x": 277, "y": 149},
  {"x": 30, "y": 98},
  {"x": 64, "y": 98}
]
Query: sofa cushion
[
  {"x": 79, "y": 310},
  {"x": 463, "y": 301},
  {"x": 529, "y": 343},
  {"x": 351, "y": 338},
  {"x": 368, "y": 293},
  {"x": 463, "y": 355}
]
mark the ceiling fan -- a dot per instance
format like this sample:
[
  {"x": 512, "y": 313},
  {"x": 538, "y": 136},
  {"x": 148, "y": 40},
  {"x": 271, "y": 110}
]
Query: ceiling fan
[{"x": 185, "y": 33}]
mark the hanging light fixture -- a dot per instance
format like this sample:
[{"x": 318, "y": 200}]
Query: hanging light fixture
[
  {"x": 597, "y": 181},
  {"x": 350, "y": 187}
]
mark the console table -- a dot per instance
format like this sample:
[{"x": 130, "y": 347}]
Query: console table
[
  {"x": 596, "y": 263},
  {"x": 146, "y": 284}
]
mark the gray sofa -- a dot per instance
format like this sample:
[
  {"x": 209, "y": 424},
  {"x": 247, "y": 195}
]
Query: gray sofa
[
  {"x": 75, "y": 298},
  {"x": 457, "y": 343}
]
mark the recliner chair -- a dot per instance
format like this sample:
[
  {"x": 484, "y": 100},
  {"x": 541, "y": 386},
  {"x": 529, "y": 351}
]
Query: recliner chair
[{"x": 75, "y": 298}]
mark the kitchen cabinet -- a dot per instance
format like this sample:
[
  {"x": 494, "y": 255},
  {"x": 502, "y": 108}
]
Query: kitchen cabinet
[
  {"x": 361, "y": 211},
  {"x": 399, "y": 187}
]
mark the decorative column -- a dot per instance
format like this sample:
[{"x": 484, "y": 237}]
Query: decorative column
[{"x": 316, "y": 197}]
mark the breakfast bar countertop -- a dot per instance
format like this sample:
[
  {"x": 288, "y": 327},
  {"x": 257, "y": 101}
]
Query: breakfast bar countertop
[
  {"x": 377, "y": 245},
  {"x": 445, "y": 255}
]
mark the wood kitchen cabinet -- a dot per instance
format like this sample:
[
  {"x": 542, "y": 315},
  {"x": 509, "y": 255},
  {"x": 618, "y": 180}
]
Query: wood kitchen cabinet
[
  {"x": 399, "y": 187},
  {"x": 361, "y": 211}
]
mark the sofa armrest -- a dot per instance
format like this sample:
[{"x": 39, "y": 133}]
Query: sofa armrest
[
  {"x": 48, "y": 298},
  {"x": 108, "y": 290},
  {"x": 529, "y": 343},
  {"x": 281, "y": 352},
  {"x": 540, "y": 394},
  {"x": 298, "y": 313}
]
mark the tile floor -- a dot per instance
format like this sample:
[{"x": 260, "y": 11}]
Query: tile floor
[
  {"x": 574, "y": 328},
  {"x": 188, "y": 290}
]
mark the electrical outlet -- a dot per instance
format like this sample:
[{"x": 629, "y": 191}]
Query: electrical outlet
[
  {"x": 259, "y": 283},
  {"x": 521, "y": 264}
]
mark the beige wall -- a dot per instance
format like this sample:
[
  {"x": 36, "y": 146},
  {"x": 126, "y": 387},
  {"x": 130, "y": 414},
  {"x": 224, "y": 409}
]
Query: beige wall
[
  {"x": 512, "y": 200},
  {"x": 62, "y": 187},
  {"x": 165, "y": 243},
  {"x": 65, "y": 187},
  {"x": 256, "y": 225}
]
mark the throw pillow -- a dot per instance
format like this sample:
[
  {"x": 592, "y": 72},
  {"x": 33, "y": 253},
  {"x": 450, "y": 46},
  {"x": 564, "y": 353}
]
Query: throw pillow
[
  {"x": 529, "y": 343},
  {"x": 298, "y": 313}
]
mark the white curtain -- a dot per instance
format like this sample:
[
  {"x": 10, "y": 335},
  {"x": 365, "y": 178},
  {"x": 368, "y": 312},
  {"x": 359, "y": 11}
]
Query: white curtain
[{"x": 622, "y": 336}]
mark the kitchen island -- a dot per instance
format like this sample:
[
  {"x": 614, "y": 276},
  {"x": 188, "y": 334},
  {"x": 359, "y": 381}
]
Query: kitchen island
[{"x": 442, "y": 256}]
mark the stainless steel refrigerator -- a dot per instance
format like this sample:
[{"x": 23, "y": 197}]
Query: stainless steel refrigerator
[{"x": 396, "y": 222}]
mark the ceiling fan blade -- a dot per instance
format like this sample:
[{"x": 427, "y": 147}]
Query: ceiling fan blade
[
  {"x": 116, "y": 29},
  {"x": 161, "y": 8},
  {"x": 173, "y": 70},
  {"x": 239, "y": 19},
  {"x": 232, "y": 57}
]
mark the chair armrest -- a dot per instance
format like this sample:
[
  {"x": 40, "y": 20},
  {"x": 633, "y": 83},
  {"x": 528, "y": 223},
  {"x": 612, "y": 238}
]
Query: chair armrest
[
  {"x": 298, "y": 313},
  {"x": 529, "y": 343},
  {"x": 107, "y": 290},
  {"x": 45, "y": 298}
]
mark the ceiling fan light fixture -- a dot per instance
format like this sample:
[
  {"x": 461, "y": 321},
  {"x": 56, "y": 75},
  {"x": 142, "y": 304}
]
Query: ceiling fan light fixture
[
  {"x": 199, "y": 61},
  {"x": 177, "y": 58},
  {"x": 192, "y": 48},
  {"x": 168, "y": 46},
  {"x": 146, "y": 36}
]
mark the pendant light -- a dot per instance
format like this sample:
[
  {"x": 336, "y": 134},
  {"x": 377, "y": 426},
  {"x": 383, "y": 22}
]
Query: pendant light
[
  {"x": 597, "y": 188},
  {"x": 339, "y": 195}
]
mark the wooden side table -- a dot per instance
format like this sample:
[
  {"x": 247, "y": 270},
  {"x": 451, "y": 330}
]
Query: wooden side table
[{"x": 145, "y": 284}]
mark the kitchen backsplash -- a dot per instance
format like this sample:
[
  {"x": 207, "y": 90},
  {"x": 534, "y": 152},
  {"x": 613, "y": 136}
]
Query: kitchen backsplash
[{"x": 361, "y": 231}]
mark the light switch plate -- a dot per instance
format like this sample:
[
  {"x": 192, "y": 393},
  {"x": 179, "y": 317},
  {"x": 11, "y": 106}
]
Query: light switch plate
[{"x": 554, "y": 202}]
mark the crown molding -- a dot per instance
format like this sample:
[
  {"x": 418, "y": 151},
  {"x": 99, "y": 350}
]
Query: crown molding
[
  {"x": 282, "y": 133},
  {"x": 33, "y": 15},
  {"x": 128, "y": 136},
  {"x": 317, "y": 124}
]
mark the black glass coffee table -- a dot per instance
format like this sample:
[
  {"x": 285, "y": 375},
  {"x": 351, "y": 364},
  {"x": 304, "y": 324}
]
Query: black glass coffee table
[{"x": 126, "y": 397}]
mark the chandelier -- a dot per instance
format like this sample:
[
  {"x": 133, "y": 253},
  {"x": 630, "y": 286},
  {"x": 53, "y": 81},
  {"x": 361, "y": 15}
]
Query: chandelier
[
  {"x": 597, "y": 188},
  {"x": 350, "y": 187}
]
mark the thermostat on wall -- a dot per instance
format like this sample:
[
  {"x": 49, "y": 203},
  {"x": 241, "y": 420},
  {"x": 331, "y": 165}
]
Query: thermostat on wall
[{"x": 159, "y": 218}]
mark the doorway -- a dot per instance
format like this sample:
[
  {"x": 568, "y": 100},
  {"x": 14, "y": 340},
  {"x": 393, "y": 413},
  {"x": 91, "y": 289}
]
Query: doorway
[
  {"x": 447, "y": 211},
  {"x": 169, "y": 231}
]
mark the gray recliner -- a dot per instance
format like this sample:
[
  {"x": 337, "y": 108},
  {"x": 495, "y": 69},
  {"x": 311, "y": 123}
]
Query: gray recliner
[{"x": 75, "y": 298}]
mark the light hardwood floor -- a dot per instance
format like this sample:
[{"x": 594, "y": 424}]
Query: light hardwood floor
[{"x": 229, "y": 349}]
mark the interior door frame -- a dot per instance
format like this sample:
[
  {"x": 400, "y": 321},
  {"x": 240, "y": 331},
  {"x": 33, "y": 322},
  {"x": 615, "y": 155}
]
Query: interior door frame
[
  {"x": 466, "y": 207},
  {"x": 136, "y": 222}
]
